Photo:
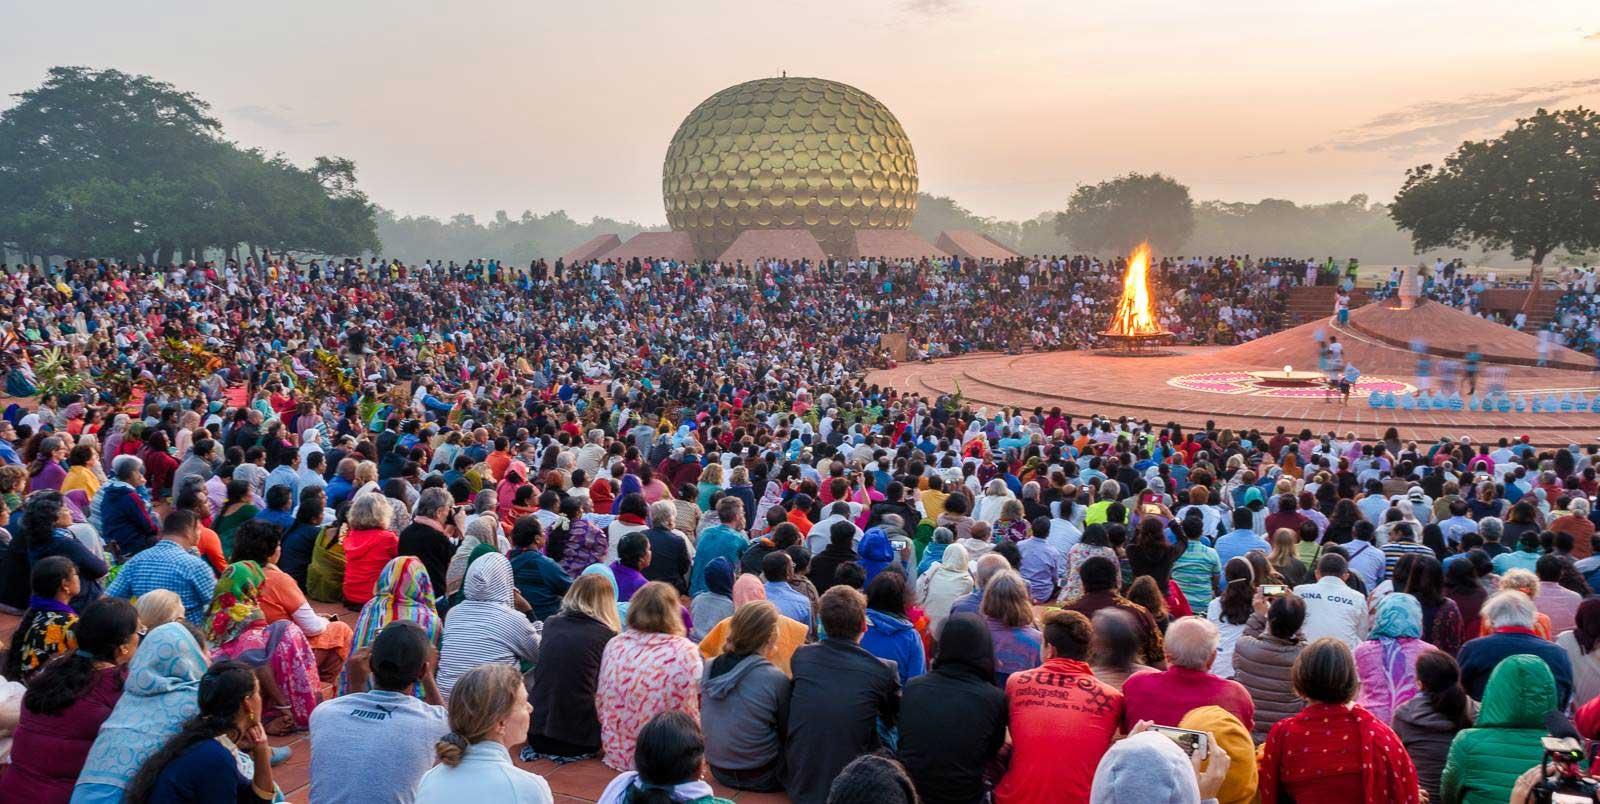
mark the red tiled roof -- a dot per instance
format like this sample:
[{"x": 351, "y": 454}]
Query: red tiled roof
[
  {"x": 591, "y": 248},
  {"x": 971, "y": 245},
  {"x": 662, "y": 245},
  {"x": 782, "y": 244},
  {"x": 895, "y": 244}
]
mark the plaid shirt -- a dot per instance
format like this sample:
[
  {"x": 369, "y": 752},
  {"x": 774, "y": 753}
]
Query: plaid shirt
[{"x": 168, "y": 566}]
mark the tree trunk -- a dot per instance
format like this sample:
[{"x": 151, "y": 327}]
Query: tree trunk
[
  {"x": 1535, "y": 281},
  {"x": 164, "y": 255}
]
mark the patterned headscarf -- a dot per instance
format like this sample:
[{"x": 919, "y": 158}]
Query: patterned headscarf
[
  {"x": 403, "y": 592},
  {"x": 235, "y": 606}
]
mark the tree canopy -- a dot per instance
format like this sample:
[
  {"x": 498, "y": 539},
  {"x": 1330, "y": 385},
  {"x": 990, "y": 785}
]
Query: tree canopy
[
  {"x": 1532, "y": 190},
  {"x": 1118, "y": 214},
  {"x": 102, "y": 163}
]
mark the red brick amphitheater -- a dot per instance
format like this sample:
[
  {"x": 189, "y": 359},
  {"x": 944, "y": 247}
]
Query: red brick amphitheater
[{"x": 1243, "y": 386}]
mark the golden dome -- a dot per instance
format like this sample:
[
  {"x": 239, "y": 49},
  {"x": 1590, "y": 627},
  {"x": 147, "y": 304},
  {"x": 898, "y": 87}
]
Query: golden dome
[{"x": 788, "y": 153}]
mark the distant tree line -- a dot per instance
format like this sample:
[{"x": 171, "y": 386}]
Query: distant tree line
[{"x": 514, "y": 240}]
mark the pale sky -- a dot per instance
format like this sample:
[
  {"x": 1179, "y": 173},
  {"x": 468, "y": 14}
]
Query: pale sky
[{"x": 499, "y": 104}]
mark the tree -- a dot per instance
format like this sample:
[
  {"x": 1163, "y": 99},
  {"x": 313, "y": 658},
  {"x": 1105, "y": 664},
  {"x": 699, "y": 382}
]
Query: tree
[
  {"x": 1533, "y": 189},
  {"x": 1117, "y": 215},
  {"x": 101, "y": 163}
]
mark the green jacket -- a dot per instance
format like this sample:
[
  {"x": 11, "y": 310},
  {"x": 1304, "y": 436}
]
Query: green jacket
[{"x": 1485, "y": 760}]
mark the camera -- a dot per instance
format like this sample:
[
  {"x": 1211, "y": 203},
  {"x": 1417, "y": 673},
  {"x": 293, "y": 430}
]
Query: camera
[{"x": 1561, "y": 777}]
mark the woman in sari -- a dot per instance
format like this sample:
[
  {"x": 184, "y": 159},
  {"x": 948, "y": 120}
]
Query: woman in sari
[
  {"x": 281, "y": 598},
  {"x": 283, "y": 659},
  {"x": 237, "y": 510},
  {"x": 161, "y": 693},
  {"x": 402, "y": 592}
]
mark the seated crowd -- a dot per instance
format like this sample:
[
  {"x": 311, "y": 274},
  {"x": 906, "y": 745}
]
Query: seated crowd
[{"x": 759, "y": 572}]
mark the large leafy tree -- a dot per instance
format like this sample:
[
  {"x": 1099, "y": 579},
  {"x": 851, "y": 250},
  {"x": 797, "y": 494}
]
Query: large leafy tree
[
  {"x": 1116, "y": 215},
  {"x": 1533, "y": 190},
  {"x": 108, "y": 164}
]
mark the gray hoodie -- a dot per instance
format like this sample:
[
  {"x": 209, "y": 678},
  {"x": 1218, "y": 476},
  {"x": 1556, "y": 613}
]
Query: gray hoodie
[{"x": 742, "y": 712}]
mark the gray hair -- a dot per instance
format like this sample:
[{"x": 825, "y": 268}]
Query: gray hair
[
  {"x": 369, "y": 512},
  {"x": 124, "y": 467},
  {"x": 1509, "y": 609},
  {"x": 485, "y": 501},
  {"x": 1192, "y": 643},
  {"x": 432, "y": 501},
  {"x": 1579, "y": 507},
  {"x": 944, "y": 535},
  {"x": 1030, "y": 490},
  {"x": 996, "y": 488},
  {"x": 663, "y": 514},
  {"x": 1491, "y": 528},
  {"x": 1109, "y": 489},
  {"x": 989, "y": 565}
]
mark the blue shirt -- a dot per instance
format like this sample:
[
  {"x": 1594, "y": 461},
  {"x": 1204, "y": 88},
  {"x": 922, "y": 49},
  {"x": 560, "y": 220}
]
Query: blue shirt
[
  {"x": 1236, "y": 543},
  {"x": 165, "y": 565},
  {"x": 282, "y": 476},
  {"x": 1042, "y": 567},
  {"x": 790, "y": 603}
]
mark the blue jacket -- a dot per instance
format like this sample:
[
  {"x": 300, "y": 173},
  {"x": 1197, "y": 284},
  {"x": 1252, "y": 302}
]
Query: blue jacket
[
  {"x": 124, "y": 519},
  {"x": 893, "y": 638},
  {"x": 1480, "y": 656}
]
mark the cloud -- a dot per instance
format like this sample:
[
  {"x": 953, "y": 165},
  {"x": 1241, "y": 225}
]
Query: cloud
[
  {"x": 932, "y": 8},
  {"x": 1434, "y": 125},
  {"x": 1594, "y": 37},
  {"x": 1264, "y": 154},
  {"x": 278, "y": 118}
]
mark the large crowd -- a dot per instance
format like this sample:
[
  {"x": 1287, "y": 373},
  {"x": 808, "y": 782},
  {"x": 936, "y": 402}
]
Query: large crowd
[{"x": 455, "y": 521}]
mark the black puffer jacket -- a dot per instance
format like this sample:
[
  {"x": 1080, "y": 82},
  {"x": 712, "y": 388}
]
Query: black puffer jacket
[{"x": 1261, "y": 662}]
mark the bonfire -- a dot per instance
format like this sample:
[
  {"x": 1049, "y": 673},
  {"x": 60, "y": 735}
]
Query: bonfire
[{"x": 1133, "y": 327}]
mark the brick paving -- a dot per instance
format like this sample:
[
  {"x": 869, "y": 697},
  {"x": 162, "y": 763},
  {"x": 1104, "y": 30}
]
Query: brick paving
[{"x": 1084, "y": 382}]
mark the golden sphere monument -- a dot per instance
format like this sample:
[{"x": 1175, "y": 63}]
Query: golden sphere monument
[{"x": 789, "y": 153}]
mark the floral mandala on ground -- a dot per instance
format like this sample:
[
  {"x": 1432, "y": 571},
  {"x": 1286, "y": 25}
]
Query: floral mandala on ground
[{"x": 1244, "y": 383}]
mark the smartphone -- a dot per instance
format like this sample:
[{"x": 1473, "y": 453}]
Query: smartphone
[
  {"x": 1273, "y": 589},
  {"x": 1196, "y": 744}
]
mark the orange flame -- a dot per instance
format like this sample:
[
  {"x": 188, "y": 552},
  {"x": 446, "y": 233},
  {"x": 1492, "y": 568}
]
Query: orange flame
[{"x": 1135, "y": 314}]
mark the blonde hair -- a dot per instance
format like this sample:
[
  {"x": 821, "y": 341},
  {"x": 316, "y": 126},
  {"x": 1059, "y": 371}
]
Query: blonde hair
[
  {"x": 1283, "y": 544},
  {"x": 752, "y": 629},
  {"x": 654, "y": 610},
  {"x": 369, "y": 512},
  {"x": 478, "y": 702},
  {"x": 1520, "y": 580},
  {"x": 366, "y": 472},
  {"x": 739, "y": 476},
  {"x": 1011, "y": 510},
  {"x": 158, "y": 607},
  {"x": 1006, "y": 600},
  {"x": 593, "y": 596},
  {"x": 712, "y": 474}
]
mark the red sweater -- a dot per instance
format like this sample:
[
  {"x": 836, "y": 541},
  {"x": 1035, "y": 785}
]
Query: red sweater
[{"x": 1167, "y": 696}]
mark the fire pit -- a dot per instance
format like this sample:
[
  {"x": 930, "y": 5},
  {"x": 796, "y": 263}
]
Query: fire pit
[{"x": 1134, "y": 331}]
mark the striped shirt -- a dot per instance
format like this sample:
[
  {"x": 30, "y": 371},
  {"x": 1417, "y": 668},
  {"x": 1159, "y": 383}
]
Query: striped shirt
[
  {"x": 485, "y": 628},
  {"x": 1394, "y": 550},
  {"x": 1196, "y": 572}
]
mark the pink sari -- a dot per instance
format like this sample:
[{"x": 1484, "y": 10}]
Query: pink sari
[{"x": 293, "y": 665}]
